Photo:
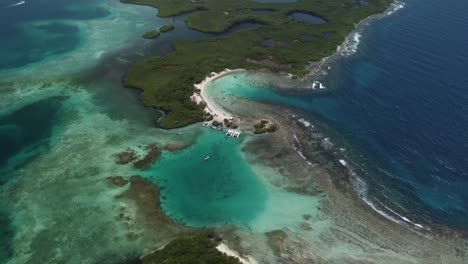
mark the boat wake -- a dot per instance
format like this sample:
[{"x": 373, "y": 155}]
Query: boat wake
[{"x": 16, "y": 4}]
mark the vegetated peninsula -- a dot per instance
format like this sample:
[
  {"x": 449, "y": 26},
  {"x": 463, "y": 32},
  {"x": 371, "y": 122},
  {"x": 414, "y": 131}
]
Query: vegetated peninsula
[{"x": 168, "y": 82}]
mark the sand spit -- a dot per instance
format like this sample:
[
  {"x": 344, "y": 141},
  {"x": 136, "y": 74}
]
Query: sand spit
[{"x": 201, "y": 96}]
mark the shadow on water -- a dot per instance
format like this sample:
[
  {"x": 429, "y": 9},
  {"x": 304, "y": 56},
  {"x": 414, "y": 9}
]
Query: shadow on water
[
  {"x": 6, "y": 235},
  {"x": 308, "y": 18},
  {"x": 26, "y": 131}
]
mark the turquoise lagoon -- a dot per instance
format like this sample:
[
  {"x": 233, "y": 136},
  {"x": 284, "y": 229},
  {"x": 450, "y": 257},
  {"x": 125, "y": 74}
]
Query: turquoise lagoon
[{"x": 225, "y": 189}]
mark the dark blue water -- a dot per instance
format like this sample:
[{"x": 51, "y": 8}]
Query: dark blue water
[
  {"x": 38, "y": 29},
  {"x": 402, "y": 103},
  {"x": 26, "y": 130},
  {"x": 6, "y": 234}
]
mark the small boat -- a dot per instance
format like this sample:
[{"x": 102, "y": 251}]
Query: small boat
[
  {"x": 179, "y": 133},
  {"x": 207, "y": 157}
]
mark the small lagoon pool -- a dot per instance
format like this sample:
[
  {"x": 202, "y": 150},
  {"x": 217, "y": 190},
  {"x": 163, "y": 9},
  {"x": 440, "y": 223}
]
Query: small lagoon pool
[{"x": 308, "y": 18}]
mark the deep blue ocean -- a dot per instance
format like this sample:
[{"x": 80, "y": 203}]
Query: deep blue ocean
[
  {"x": 401, "y": 105},
  {"x": 403, "y": 100}
]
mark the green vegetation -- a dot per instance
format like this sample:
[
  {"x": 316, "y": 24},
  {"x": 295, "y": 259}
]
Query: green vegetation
[
  {"x": 167, "y": 82},
  {"x": 198, "y": 249},
  {"x": 166, "y": 28},
  {"x": 152, "y": 34},
  {"x": 264, "y": 126},
  {"x": 217, "y": 124},
  {"x": 156, "y": 33},
  {"x": 230, "y": 123}
]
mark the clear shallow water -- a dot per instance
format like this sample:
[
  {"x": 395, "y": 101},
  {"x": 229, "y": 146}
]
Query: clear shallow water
[
  {"x": 401, "y": 103},
  {"x": 210, "y": 192},
  {"x": 224, "y": 189}
]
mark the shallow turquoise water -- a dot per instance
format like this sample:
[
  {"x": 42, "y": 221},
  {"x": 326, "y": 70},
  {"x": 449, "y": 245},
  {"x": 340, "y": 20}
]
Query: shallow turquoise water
[
  {"x": 225, "y": 189},
  {"x": 222, "y": 189}
]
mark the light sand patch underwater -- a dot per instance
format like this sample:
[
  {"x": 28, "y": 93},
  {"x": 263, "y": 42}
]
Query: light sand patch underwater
[{"x": 61, "y": 201}]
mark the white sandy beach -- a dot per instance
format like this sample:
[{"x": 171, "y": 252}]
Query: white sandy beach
[
  {"x": 218, "y": 113},
  {"x": 244, "y": 260}
]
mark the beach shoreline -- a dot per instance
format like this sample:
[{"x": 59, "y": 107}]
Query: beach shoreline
[
  {"x": 223, "y": 248},
  {"x": 201, "y": 96}
]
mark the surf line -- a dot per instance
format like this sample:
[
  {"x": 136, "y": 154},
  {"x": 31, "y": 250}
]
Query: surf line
[{"x": 17, "y": 4}]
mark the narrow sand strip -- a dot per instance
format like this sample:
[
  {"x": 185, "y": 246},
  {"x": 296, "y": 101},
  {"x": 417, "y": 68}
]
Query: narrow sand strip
[
  {"x": 218, "y": 113},
  {"x": 226, "y": 250}
]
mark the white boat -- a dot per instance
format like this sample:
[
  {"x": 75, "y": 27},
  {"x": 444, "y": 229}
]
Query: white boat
[{"x": 207, "y": 157}]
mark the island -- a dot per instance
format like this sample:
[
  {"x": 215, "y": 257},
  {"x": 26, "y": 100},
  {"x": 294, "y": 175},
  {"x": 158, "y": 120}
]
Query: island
[
  {"x": 152, "y": 34},
  {"x": 156, "y": 33},
  {"x": 291, "y": 36},
  {"x": 166, "y": 28},
  {"x": 264, "y": 126}
]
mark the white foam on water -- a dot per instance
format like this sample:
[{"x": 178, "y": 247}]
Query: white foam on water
[
  {"x": 352, "y": 41},
  {"x": 305, "y": 122},
  {"x": 16, "y": 4},
  {"x": 361, "y": 188},
  {"x": 397, "y": 5},
  {"x": 350, "y": 45},
  {"x": 405, "y": 218}
]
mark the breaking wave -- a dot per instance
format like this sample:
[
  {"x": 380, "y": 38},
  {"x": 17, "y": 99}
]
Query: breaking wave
[
  {"x": 361, "y": 188},
  {"x": 397, "y": 5},
  {"x": 359, "y": 185},
  {"x": 350, "y": 45},
  {"x": 16, "y": 4}
]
